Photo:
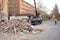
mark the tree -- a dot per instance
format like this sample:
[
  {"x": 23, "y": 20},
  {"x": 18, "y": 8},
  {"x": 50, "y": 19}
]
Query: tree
[
  {"x": 39, "y": 4},
  {"x": 55, "y": 12}
]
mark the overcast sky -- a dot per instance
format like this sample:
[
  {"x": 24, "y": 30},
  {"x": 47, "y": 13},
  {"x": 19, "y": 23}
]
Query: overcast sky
[{"x": 47, "y": 3}]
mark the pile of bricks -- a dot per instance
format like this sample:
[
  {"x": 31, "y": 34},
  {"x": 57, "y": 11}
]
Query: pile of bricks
[{"x": 15, "y": 25}]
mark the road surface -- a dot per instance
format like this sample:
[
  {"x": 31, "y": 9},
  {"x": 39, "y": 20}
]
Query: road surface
[{"x": 51, "y": 31}]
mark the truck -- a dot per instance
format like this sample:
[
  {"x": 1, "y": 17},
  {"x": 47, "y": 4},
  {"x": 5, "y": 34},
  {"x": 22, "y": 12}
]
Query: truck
[{"x": 35, "y": 20}]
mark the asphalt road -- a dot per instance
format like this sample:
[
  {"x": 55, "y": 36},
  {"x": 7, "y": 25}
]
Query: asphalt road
[{"x": 51, "y": 31}]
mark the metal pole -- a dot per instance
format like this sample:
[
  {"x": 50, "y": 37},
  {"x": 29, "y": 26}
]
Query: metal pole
[
  {"x": 8, "y": 12},
  {"x": 2, "y": 5},
  {"x": 35, "y": 7}
]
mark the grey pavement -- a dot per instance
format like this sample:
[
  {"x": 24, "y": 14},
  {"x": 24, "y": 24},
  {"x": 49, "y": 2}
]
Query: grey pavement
[{"x": 51, "y": 31}]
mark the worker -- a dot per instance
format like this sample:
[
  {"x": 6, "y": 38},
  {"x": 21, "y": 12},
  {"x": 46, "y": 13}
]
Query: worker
[{"x": 55, "y": 21}]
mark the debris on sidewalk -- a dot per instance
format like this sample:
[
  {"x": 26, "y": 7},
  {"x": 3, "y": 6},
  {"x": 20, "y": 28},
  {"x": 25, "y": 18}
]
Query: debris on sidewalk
[{"x": 15, "y": 25}]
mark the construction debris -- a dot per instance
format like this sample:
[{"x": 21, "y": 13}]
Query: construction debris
[{"x": 15, "y": 25}]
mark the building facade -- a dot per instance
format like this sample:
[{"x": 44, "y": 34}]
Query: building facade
[
  {"x": 15, "y": 8},
  {"x": 18, "y": 7},
  {"x": 3, "y": 9},
  {"x": 26, "y": 8}
]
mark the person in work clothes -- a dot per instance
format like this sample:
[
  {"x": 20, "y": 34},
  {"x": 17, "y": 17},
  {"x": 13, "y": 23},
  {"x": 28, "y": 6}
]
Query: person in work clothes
[{"x": 55, "y": 21}]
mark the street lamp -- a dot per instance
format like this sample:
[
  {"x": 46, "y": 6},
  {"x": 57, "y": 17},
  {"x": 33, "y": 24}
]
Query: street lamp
[{"x": 35, "y": 7}]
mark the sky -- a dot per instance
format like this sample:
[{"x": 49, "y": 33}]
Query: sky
[{"x": 49, "y": 4}]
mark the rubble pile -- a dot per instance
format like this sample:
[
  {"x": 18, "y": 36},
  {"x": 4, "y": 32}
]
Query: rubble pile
[
  {"x": 3, "y": 27},
  {"x": 15, "y": 25}
]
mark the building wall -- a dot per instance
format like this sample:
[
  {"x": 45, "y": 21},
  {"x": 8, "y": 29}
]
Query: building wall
[
  {"x": 5, "y": 6},
  {"x": 0, "y": 6},
  {"x": 13, "y": 7},
  {"x": 21, "y": 7},
  {"x": 18, "y": 7},
  {"x": 0, "y": 1},
  {"x": 3, "y": 10},
  {"x": 26, "y": 8}
]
